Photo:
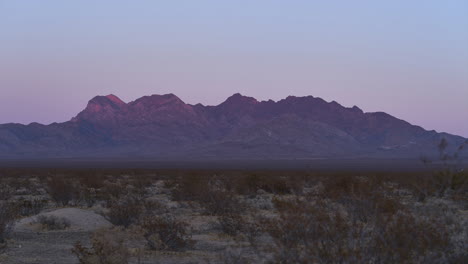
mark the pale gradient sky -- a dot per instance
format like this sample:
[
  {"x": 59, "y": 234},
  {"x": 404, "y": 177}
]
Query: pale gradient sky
[{"x": 407, "y": 58}]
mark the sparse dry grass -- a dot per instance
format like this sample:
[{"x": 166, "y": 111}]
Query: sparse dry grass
[
  {"x": 323, "y": 217},
  {"x": 165, "y": 232},
  {"x": 8, "y": 213},
  {"x": 51, "y": 222},
  {"x": 106, "y": 248}
]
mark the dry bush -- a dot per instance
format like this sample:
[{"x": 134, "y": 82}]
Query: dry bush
[
  {"x": 6, "y": 192},
  {"x": 233, "y": 256},
  {"x": 166, "y": 233},
  {"x": 308, "y": 233},
  {"x": 210, "y": 192},
  {"x": 232, "y": 224},
  {"x": 126, "y": 211},
  {"x": 30, "y": 207},
  {"x": 52, "y": 222},
  {"x": 74, "y": 188},
  {"x": 113, "y": 191},
  {"x": 450, "y": 180},
  {"x": 251, "y": 183},
  {"x": 442, "y": 184},
  {"x": 320, "y": 232},
  {"x": 189, "y": 187},
  {"x": 63, "y": 190},
  {"x": 107, "y": 248},
  {"x": 142, "y": 181},
  {"x": 217, "y": 202},
  {"x": 88, "y": 196},
  {"x": 404, "y": 238},
  {"x": 92, "y": 180},
  {"x": 8, "y": 213},
  {"x": 338, "y": 186},
  {"x": 152, "y": 208},
  {"x": 364, "y": 197},
  {"x": 130, "y": 209}
]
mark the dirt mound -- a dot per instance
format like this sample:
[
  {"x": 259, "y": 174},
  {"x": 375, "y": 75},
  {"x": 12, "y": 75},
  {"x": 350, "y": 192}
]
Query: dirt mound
[{"x": 80, "y": 220}]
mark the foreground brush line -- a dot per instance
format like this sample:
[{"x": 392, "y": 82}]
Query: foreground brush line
[{"x": 203, "y": 216}]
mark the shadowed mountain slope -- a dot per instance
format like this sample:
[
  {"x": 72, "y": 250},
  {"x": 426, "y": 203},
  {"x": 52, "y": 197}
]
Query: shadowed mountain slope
[{"x": 164, "y": 127}]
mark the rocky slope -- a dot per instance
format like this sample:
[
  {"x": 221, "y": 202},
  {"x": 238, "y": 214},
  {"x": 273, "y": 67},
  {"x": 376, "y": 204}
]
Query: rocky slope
[{"x": 163, "y": 126}]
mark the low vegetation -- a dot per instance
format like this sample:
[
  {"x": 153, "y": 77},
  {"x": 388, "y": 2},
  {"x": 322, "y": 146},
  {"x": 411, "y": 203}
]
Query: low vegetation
[
  {"x": 106, "y": 248},
  {"x": 250, "y": 216},
  {"x": 7, "y": 216},
  {"x": 51, "y": 222},
  {"x": 165, "y": 232}
]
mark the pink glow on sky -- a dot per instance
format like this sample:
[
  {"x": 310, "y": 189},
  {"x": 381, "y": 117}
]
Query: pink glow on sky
[{"x": 407, "y": 58}]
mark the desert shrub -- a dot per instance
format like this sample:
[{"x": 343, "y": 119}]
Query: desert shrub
[
  {"x": 142, "y": 181},
  {"x": 218, "y": 202},
  {"x": 62, "y": 190},
  {"x": 113, "y": 191},
  {"x": 166, "y": 233},
  {"x": 31, "y": 207},
  {"x": 92, "y": 180},
  {"x": 88, "y": 196},
  {"x": 152, "y": 208},
  {"x": 52, "y": 222},
  {"x": 440, "y": 183},
  {"x": 125, "y": 211},
  {"x": 404, "y": 238},
  {"x": 338, "y": 186},
  {"x": 251, "y": 183},
  {"x": 8, "y": 213},
  {"x": 236, "y": 224},
  {"x": 232, "y": 224},
  {"x": 106, "y": 248},
  {"x": 308, "y": 233},
  {"x": 448, "y": 181},
  {"x": 189, "y": 187},
  {"x": 10, "y": 185},
  {"x": 6, "y": 192},
  {"x": 320, "y": 232},
  {"x": 364, "y": 197},
  {"x": 210, "y": 192},
  {"x": 233, "y": 256}
]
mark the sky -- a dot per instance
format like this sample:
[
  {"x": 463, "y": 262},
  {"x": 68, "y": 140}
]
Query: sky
[{"x": 406, "y": 58}]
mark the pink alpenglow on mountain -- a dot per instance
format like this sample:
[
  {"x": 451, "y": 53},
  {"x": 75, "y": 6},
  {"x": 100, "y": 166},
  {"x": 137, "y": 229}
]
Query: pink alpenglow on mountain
[{"x": 163, "y": 126}]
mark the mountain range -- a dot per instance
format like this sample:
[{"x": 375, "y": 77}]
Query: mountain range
[{"x": 164, "y": 127}]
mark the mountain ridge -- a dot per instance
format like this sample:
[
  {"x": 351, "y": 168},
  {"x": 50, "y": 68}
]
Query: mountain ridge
[{"x": 162, "y": 126}]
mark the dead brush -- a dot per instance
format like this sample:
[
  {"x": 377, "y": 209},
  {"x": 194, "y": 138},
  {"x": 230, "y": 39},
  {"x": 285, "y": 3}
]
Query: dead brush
[
  {"x": 92, "y": 180},
  {"x": 52, "y": 222},
  {"x": 107, "y": 247},
  {"x": 8, "y": 213},
  {"x": 189, "y": 187},
  {"x": 63, "y": 190},
  {"x": 142, "y": 182},
  {"x": 6, "y": 192},
  {"x": 131, "y": 209},
  {"x": 232, "y": 224},
  {"x": 165, "y": 232},
  {"x": 404, "y": 238},
  {"x": 317, "y": 231},
  {"x": 126, "y": 211},
  {"x": 250, "y": 184},
  {"x": 449, "y": 180},
  {"x": 209, "y": 191},
  {"x": 30, "y": 207},
  {"x": 310, "y": 233},
  {"x": 365, "y": 197},
  {"x": 115, "y": 190},
  {"x": 219, "y": 202}
]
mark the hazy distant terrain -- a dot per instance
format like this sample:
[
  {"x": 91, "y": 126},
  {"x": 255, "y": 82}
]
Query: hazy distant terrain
[{"x": 164, "y": 127}]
